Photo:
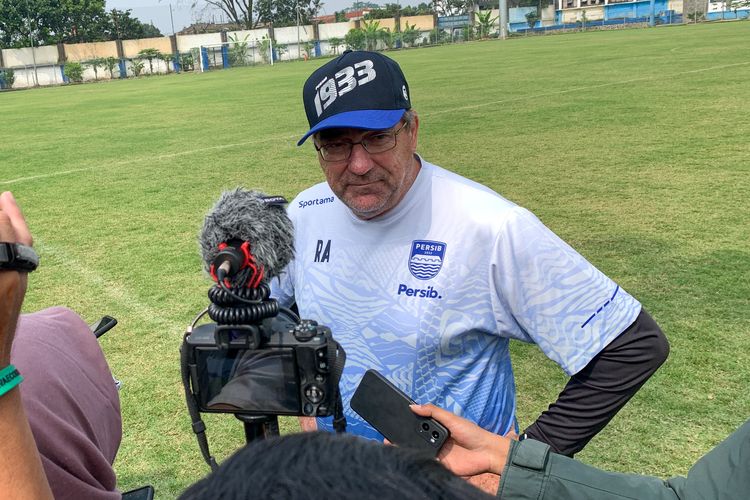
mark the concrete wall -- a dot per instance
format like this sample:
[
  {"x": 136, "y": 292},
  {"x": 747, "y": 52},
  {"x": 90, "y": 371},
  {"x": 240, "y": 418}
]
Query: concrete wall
[
  {"x": 245, "y": 35},
  {"x": 86, "y": 51},
  {"x": 44, "y": 75},
  {"x": 131, "y": 48},
  {"x": 289, "y": 34},
  {"x": 389, "y": 24},
  {"x": 337, "y": 30},
  {"x": 424, "y": 23},
  {"x": 25, "y": 57},
  {"x": 187, "y": 42},
  {"x": 592, "y": 14}
]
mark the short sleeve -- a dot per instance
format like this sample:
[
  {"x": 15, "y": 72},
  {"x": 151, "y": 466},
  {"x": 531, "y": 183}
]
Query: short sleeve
[{"x": 557, "y": 299}]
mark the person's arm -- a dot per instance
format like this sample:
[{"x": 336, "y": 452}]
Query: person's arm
[
  {"x": 594, "y": 395},
  {"x": 22, "y": 476},
  {"x": 533, "y": 469}
]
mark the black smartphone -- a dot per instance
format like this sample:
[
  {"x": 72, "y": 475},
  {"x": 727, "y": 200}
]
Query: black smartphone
[
  {"x": 144, "y": 493},
  {"x": 386, "y": 408}
]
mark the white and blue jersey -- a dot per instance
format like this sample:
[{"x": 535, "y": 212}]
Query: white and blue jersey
[{"x": 430, "y": 293}]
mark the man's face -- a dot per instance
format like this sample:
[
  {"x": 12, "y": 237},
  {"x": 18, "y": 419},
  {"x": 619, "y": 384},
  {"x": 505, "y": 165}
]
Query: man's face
[{"x": 370, "y": 184}]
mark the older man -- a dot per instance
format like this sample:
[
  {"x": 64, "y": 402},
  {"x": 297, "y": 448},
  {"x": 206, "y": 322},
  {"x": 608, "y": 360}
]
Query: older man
[{"x": 425, "y": 276}]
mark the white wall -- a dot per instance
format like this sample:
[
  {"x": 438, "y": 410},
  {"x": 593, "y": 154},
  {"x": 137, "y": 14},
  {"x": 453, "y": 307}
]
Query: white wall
[
  {"x": 25, "y": 57},
  {"x": 46, "y": 75},
  {"x": 187, "y": 42},
  {"x": 338, "y": 30},
  {"x": 289, "y": 34}
]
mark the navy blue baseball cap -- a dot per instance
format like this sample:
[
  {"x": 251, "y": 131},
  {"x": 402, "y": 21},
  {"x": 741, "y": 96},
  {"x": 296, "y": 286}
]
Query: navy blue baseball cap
[{"x": 358, "y": 89}]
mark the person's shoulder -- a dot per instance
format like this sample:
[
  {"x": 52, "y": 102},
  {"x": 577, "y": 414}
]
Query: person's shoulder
[{"x": 471, "y": 194}]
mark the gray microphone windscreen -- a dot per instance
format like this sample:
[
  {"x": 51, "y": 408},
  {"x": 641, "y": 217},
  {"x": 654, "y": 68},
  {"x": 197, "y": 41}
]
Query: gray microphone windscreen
[{"x": 256, "y": 218}]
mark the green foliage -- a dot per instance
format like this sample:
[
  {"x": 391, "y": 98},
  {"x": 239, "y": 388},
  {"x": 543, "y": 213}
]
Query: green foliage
[
  {"x": 485, "y": 23},
  {"x": 533, "y": 16},
  {"x": 238, "y": 50},
  {"x": 410, "y": 34},
  {"x": 168, "y": 60},
  {"x": 186, "y": 61},
  {"x": 355, "y": 39},
  {"x": 121, "y": 25},
  {"x": 582, "y": 20},
  {"x": 74, "y": 71},
  {"x": 265, "y": 49},
  {"x": 439, "y": 36},
  {"x": 390, "y": 38},
  {"x": 335, "y": 43},
  {"x": 373, "y": 33},
  {"x": 150, "y": 54},
  {"x": 7, "y": 78},
  {"x": 95, "y": 64},
  {"x": 309, "y": 49},
  {"x": 452, "y": 7},
  {"x": 284, "y": 12},
  {"x": 111, "y": 63},
  {"x": 393, "y": 9},
  {"x": 47, "y": 22},
  {"x": 281, "y": 49},
  {"x": 136, "y": 66}
]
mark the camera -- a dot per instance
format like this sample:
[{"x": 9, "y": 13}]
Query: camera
[{"x": 277, "y": 366}]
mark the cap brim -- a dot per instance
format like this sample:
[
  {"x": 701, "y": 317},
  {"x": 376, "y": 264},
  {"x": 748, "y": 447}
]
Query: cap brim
[{"x": 369, "y": 119}]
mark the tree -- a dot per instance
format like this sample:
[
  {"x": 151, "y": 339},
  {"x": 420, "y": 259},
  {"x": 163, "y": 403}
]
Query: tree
[
  {"x": 410, "y": 34},
  {"x": 335, "y": 43},
  {"x": 451, "y": 7},
  {"x": 137, "y": 66},
  {"x": 150, "y": 55},
  {"x": 485, "y": 21},
  {"x": 284, "y": 12},
  {"x": 74, "y": 72},
  {"x": 47, "y": 22},
  {"x": 355, "y": 39},
  {"x": 238, "y": 11},
  {"x": 121, "y": 26},
  {"x": 373, "y": 32},
  {"x": 95, "y": 64},
  {"x": 531, "y": 18},
  {"x": 110, "y": 63}
]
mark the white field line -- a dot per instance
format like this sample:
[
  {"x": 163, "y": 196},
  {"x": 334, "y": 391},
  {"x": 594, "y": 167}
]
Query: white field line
[
  {"x": 434, "y": 113},
  {"x": 140, "y": 159},
  {"x": 588, "y": 87},
  {"x": 118, "y": 293}
]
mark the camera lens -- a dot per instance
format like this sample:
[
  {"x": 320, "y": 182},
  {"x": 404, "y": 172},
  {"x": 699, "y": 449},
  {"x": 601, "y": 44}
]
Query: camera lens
[
  {"x": 435, "y": 435},
  {"x": 425, "y": 426}
]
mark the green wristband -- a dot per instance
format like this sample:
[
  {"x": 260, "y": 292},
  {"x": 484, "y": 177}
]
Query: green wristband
[{"x": 9, "y": 378}]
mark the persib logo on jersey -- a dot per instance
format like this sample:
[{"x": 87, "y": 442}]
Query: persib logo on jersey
[{"x": 426, "y": 258}]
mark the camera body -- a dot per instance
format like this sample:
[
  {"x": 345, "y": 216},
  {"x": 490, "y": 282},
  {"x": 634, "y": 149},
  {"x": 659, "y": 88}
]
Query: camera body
[{"x": 277, "y": 366}]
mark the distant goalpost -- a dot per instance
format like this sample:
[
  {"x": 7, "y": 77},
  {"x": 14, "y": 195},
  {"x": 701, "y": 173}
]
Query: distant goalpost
[{"x": 233, "y": 54}]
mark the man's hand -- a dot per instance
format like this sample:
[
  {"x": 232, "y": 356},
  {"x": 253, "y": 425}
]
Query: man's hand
[
  {"x": 13, "y": 229},
  {"x": 470, "y": 450}
]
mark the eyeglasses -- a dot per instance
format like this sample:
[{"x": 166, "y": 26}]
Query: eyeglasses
[{"x": 379, "y": 142}]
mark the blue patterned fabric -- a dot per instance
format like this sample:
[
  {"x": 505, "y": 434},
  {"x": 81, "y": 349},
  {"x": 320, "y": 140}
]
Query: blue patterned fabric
[{"x": 430, "y": 293}]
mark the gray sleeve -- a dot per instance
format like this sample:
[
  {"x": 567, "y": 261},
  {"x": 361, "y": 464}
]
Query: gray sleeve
[{"x": 532, "y": 471}]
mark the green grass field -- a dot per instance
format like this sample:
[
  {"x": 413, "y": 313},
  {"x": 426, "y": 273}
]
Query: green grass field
[{"x": 632, "y": 145}]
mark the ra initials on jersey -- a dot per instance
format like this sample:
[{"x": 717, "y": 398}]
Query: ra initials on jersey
[{"x": 322, "y": 251}]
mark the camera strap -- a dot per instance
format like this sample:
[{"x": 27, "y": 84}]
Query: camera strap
[
  {"x": 199, "y": 428},
  {"x": 336, "y": 360}
]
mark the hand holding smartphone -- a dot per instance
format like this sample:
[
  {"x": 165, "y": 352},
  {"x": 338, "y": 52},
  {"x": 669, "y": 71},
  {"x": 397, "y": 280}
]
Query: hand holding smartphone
[{"x": 386, "y": 408}]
